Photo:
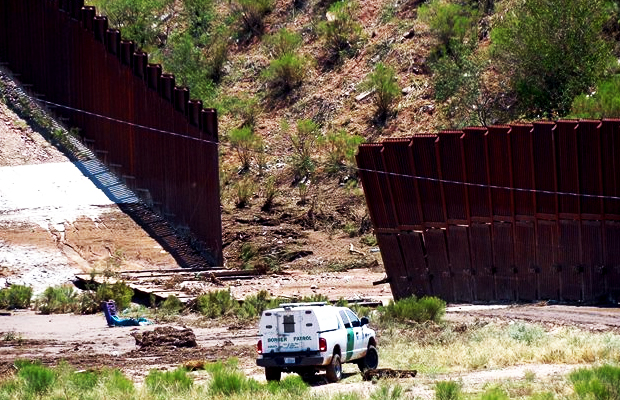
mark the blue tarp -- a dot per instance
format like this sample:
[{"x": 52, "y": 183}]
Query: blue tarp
[{"x": 109, "y": 310}]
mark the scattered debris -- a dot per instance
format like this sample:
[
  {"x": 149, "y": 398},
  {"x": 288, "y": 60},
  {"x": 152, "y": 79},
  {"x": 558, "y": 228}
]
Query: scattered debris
[
  {"x": 383, "y": 373},
  {"x": 362, "y": 96},
  {"x": 352, "y": 250},
  {"x": 165, "y": 336},
  {"x": 194, "y": 365},
  {"x": 408, "y": 35}
]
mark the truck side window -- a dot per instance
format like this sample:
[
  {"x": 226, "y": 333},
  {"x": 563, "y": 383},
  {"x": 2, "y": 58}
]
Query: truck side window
[
  {"x": 345, "y": 319},
  {"x": 289, "y": 323},
  {"x": 355, "y": 322}
]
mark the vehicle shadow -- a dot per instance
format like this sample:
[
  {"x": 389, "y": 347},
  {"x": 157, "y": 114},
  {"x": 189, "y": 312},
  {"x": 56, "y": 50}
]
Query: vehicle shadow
[{"x": 321, "y": 379}]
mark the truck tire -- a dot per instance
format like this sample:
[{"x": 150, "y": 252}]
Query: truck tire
[
  {"x": 273, "y": 374},
  {"x": 370, "y": 360},
  {"x": 334, "y": 369}
]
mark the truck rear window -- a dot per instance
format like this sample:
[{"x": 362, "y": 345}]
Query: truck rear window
[{"x": 289, "y": 323}]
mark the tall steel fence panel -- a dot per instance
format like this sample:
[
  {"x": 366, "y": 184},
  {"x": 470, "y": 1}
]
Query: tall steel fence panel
[
  {"x": 148, "y": 130},
  {"x": 505, "y": 213}
]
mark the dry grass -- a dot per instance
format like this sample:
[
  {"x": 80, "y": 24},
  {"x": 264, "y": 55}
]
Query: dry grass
[{"x": 450, "y": 349}]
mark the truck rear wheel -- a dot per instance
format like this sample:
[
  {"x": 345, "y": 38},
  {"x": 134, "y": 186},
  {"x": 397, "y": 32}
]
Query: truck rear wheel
[
  {"x": 273, "y": 374},
  {"x": 334, "y": 369},
  {"x": 370, "y": 360}
]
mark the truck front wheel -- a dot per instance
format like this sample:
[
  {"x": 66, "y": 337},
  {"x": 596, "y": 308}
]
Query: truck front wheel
[
  {"x": 273, "y": 374},
  {"x": 334, "y": 369}
]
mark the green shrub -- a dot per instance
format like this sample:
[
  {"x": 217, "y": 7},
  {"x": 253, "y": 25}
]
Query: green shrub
[
  {"x": 138, "y": 19},
  {"x": 15, "y": 296},
  {"x": 216, "y": 304},
  {"x": 601, "y": 383},
  {"x": 525, "y": 332},
  {"x": 414, "y": 309},
  {"x": 369, "y": 240},
  {"x": 162, "y": 384},
  {"x": 341, "y": 151},
  {"x": 383, "y": 81},
  {"x": 37, "y": 378},
  {"x": 286, "y": 72},
  {"x": 83, "y": 381},
  {"x": 188, "y": 62},
  {"x": 245, "y": 190},
  {"x": 58, "y": 299},
  {"x": 200, "y": 16},
  {"x": 270, "y": 191},
  {"x": 318, "y": 297},
  {"x": 283, "y": 42},
  {"x": 251, "y": 14},
  {"x": 172, "y": 305},
  {"x": 451, "y": 23},
  {"x": 118, "y": 385},
  {"x": 247, "y": 254},
  {"x": 603, "y": 103},
  {"x": 118, "y": 291},
  {"x": 447, "y": 390},
  {"x": 341, "y": 32},
  {"x": 247, "y": 109},
  {"x": 87, "y": 302},
  {"x": 254, "y": 305},
  {"x": 303, "y": 141}
]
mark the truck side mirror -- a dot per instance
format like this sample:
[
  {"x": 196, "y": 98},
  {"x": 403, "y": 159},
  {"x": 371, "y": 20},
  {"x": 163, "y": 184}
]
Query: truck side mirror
[{"x": 365, "y": 321}]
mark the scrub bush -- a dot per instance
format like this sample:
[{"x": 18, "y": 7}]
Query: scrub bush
[
  {"x": 414, "y": 309},
  {"x": 216, "y": 304},
  {"x": 15, "y": 296}
]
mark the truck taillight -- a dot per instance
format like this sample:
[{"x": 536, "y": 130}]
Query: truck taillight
[
  {"x": 322, "y": 344},
  {"x": 259, "y": 347}
]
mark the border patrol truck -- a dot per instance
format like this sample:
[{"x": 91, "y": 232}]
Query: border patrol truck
[{"x": 307, "y": 337}]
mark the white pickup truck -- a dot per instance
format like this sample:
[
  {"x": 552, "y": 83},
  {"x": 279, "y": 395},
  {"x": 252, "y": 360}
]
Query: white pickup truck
[{"x": 307, "y": 337}]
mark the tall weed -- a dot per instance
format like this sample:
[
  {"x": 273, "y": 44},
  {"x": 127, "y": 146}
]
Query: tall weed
[
  {"x": 601, "y": 383},
  {"x": 163, "y": 384},
  {"x": 38, "y": 379},
  {"x": 227, "y": 381},
  {"x": 447, "y": 390}
]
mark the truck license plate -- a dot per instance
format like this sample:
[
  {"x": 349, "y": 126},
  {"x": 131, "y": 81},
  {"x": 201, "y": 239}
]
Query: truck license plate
[{"x": 289, "y": 360}]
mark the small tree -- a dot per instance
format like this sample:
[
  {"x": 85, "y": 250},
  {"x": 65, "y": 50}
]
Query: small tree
[
  {"x": 383, "y": 81},
  {"x": 552, "y": 50}
]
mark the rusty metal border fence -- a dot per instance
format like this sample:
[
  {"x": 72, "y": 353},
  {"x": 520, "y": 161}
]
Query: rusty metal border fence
[
  {"x": 73, "y": 60},
  {"x": 504, "y": 213}
]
